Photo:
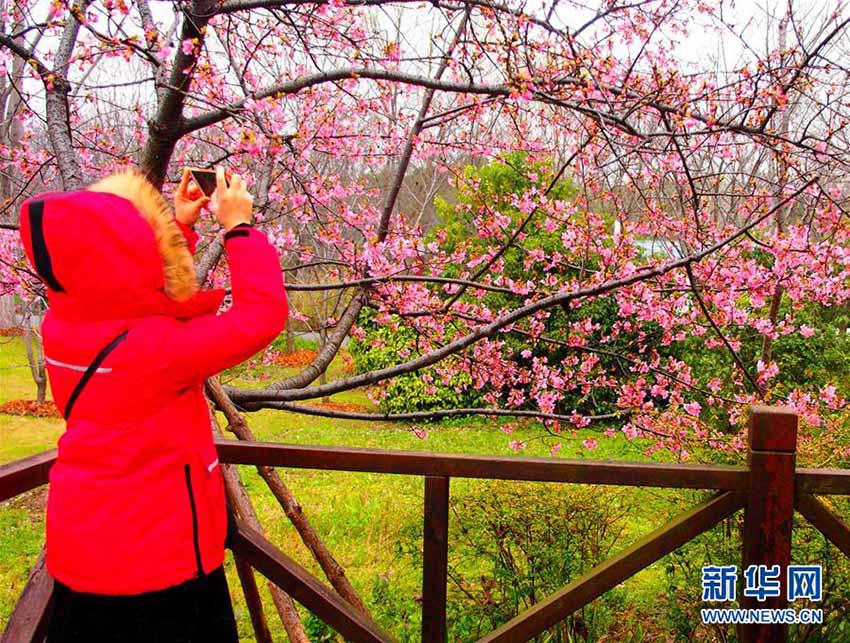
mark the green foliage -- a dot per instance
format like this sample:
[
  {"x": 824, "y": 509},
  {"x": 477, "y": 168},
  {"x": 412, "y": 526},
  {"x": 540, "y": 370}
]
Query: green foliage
[
  {"x": 396, "y": 610},
  {"x": 823, "y": 358},
  {"x": 805, "y": 363},
  {"x": 317, "y": 630},
  {"x": 384, "y": 346},
  {"x": 494, "y": 186},
  {"x": 682, "y": 595},
  {"x": 513, "y": 544}
]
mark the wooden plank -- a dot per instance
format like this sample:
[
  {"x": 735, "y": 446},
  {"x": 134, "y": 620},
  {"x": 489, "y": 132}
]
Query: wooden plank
[
  {"x": 636, "y": 474},
  {"x": 435, "y": 559},
  {"x": 301, "y": 586},
  {"x": 28, "y": 622},
  {"x": 823, "y": 482},
  {"x": 23, "y": 475},
  {"x": 613, "y": 571},
  {"x": 825, "y": 520},
  {"x": 769, "y": 513}
]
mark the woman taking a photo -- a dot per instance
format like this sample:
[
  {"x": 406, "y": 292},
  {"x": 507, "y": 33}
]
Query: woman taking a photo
[{"x": 136, "y": 515}]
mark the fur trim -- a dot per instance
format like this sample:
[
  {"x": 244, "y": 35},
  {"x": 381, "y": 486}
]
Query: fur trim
[{"x": 177, "y": 265}]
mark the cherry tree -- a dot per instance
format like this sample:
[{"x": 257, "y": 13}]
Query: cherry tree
[{"x": 350, "y": 115}]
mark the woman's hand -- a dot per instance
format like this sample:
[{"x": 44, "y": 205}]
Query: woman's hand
[
  {"x": 189, "y": 200},
  {"x": 231, "y": 204}
]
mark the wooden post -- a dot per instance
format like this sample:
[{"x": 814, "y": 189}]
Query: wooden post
[
  {"x": 435, "y": 563},
  {"x": 769, "y": 511}
]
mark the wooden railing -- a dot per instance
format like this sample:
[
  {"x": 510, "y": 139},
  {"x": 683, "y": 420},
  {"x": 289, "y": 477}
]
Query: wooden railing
[{"x": 769, "y": 489}]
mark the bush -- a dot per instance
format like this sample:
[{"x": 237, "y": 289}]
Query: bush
[
  {"x": 805, "y": 363},
  {"x": 513, "y": 544},
  {"x": 496, "y": 185},
  {"x": 395, "y": 610},
  {"x": 424, "y": 390}
]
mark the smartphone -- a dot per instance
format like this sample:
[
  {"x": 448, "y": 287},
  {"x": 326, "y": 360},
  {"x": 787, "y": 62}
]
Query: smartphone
[{"x": 206, "y": 179}]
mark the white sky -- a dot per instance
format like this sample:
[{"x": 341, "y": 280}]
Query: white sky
[{"x": 752, "y": 30}]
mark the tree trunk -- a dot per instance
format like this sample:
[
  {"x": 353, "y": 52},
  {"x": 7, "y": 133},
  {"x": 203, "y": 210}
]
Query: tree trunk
[
  {"x": 35, "y": 357},
  {"x": 56, "y": 104},
  {"x": 781, "y": 173},
  {"x": 332, "y": 569},
  {"x": 767, "y": 342},
  {"x": 164, "y": 130},
  {"x": 10, "y": 136},
  {"x": 323, "y": 379},
  {"x": 8, "y": 318},
  {"x": 241, "y": 503}
]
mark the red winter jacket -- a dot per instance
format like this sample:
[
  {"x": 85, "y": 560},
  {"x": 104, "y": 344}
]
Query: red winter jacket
[{"x": 136, "y": 498}]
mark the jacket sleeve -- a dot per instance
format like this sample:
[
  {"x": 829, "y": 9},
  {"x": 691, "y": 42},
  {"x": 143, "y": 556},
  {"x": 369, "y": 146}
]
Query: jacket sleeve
[
  {"x": 190, "y": 234},
  {"x": 194, "y": 349}
]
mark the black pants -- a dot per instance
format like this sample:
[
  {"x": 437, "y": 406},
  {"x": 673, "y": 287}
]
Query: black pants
[{"x": 196, "y": 611}]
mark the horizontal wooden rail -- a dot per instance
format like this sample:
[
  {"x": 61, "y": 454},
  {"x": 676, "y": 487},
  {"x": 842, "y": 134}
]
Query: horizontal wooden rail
[
  {"x": 633, "y": 474},
  {"x": 303, "y": 587},
  {"x": 824, "y": 482},
  {"x": 28, "y": 473},
  {"x": 615, "y": 570},
  {"x": 23, "y": 475}
]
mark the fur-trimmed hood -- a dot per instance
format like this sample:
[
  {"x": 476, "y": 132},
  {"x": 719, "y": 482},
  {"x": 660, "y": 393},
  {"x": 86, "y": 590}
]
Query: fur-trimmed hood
[
  {"x": 177, "y": 264},
  {"x": 113, "y": 250}
]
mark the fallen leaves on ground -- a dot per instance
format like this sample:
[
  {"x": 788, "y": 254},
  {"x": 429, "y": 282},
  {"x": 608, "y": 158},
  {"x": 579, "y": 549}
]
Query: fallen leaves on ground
[
  {"x": 11, "y": 332},
  {"x": 306, "y": 356},
  {"x": 33, "y": 501},
  {"x": 296, "y": 358},
  {"x": 30, "y": 407},
  {"x": 341, "y": 406}
]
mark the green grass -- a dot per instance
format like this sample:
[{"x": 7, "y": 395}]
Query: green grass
[{"x": 361, "y": 517}]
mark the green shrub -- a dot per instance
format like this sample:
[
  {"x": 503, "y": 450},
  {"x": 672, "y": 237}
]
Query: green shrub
[
  {"x": 495, "y": 187},
  {"x": 386, "y": 345},
  {"x": 318, "y": 631},
  {"x": 395, "y": 610},
  {"x": 513, "y": 544}
]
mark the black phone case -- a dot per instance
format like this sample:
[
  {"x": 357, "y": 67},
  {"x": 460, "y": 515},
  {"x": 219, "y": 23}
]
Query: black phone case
[{"x": 206, "y": 180}]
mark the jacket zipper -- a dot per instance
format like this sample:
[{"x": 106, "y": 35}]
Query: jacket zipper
[{"x": 194, "y": 519}]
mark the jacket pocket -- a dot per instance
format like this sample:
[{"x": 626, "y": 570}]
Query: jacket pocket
[{"x": 194, "y": 508}]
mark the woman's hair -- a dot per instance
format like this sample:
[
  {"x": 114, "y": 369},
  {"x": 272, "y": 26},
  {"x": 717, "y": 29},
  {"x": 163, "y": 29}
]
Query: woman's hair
[{"x": 177, "y": 264}]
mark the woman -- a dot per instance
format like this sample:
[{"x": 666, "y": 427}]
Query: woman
[{"x": 136, "y": 515}]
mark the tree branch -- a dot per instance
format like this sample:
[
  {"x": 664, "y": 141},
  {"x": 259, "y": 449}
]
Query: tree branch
[
  {"x": 491, "y": 329},
  {"x": 425, "y": 415},
  {"x": 331, "y": 347}
]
